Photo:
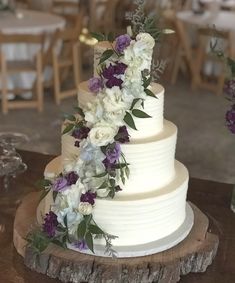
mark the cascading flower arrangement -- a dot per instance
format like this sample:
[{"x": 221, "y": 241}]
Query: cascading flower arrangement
[{"x": 99, "y": 130}]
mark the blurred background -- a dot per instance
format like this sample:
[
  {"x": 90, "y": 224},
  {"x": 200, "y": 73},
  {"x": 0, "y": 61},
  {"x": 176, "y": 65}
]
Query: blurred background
[{"x": 46, "y": 50}]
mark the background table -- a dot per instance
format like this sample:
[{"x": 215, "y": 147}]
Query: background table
[
  {"x": 211, "y": 197},
  {"x": 32, "y": 22}
]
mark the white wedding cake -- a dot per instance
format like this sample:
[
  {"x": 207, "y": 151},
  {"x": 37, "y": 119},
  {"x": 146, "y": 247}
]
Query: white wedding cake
[{"x": 120, "y": 183}]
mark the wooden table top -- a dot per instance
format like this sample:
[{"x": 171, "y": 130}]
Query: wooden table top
[{"x": 211, "y": 197}]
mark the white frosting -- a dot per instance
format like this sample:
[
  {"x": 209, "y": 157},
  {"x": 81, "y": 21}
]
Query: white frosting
[
  {"x": 137, "y": 218},
  {"x": 140, "y": 219}
]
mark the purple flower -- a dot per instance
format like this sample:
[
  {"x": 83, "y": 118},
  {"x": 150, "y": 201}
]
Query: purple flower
[
  {"x": 114, "y": 82},
  {"x": 122, "y": 42},
  {"x": 113, "y": 153},
  {"x": 81, "y": 133},
  {"x": 109, "y": 72},
  {"x": 50, "y": 224},
  {"x": 88, "y": 197},
  {"x": 59, "y": 184},
  {"x": 71, "y": 178},
  {"x": 230, "y": 119},
  {"x": 120, "y": 68},
  {"x": 95, "y": 84},
  {"x": 122, "y": 136},
  {"x": 229, "y": 88},
  {"x": 81, "y": 245},
  {"x": 77, "y": 143}
]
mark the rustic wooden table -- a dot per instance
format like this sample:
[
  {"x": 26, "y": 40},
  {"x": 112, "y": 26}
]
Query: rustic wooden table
[{"x": 211, "y": 197}]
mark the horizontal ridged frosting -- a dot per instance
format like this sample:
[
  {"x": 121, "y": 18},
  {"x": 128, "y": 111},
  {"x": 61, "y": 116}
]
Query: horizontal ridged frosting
[{"x": 147, "y": 217}]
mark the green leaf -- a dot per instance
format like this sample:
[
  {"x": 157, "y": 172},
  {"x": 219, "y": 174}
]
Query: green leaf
[
  {"x": 66, "y": 221},
  {"x": 106, "y": 55},
  {"x": 81, "y": 229},
  {"x": 231, "y": 64},
  {"x": 135, "y": 100},
  {"x": 150, "y": 93},
  {"x": 147, "y": 81},
  {"x": 140, "y": 114},
  {"x": 103, "y": 185},
  {"x": 89, "y": 241},
  {"x": 98, "y": 36},
  {"x": 112, "y": 182},
  {"x": 110, "y": 37},
  {"x": 129, "y": 121},
  {"x": 54, "y": 194},
  {"x": 79, "y": 111},
  {"x": 44, "y": 194},
  {"x": 111, "y": 192},
  {"x": 101, "y": 175},
  {"x": 94, "y": 229},
  {"x": 69, "y": 117},
  {"x": 127, "y": 172},
  {"x": 120, "y": 165},
  {"x": 43, "y": 183},
  {"x": 68, "y": 129},
  {"x": 87, "y": 219}
]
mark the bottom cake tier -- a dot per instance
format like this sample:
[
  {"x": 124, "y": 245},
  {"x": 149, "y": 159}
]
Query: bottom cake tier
[{"x": 136, "y": 219}]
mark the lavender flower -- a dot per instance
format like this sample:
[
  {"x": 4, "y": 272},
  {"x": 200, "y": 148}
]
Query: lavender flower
[
  {"x": 59, "y": 184},
  {"x": 230, "y": 119},
  {"x": 122, "y": 136},
  {"x": 71, "y": 178},
  {"x": 113, "y": 153},
  {"x": 122, "y": 42},
  {"x": 88, "y": 197},
  {"x": 95, "y": 84},
  {"x": 81, "y": 245},
  {"x": 229, "y": 88},
  {"x": 50, "y": 224},
  {"x": 110, "y": 167},
  {"x": 81, "y": 133}
]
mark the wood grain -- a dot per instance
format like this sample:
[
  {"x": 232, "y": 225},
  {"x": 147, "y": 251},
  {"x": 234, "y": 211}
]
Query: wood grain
[{"x": 194, "y": 254}]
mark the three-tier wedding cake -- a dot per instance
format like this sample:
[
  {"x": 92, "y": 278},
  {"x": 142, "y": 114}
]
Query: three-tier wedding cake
[{"x": 117, "y": 184}]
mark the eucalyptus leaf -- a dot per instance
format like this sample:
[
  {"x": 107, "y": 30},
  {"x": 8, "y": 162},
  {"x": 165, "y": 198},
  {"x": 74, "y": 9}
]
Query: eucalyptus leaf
[
  {"x": 110, "y": 37},
  {"x": 112, "y": 182},
  {"x": 68, "y": 129},
  {"x": 89, "y": 241},
  {"x": 140, "y": 114},
  {"x": 66, "y": 221},
  {"x": 87, "y": 219},
  {"x": 106, "y": 55},
  {"x": 44, "y": 194},
  {"x": 120, "y": 165},
  {"x": 129, "y": 121}
]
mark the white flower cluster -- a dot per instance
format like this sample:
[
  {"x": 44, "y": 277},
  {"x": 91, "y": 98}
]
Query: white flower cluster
[{"x": 104, "y": 116}]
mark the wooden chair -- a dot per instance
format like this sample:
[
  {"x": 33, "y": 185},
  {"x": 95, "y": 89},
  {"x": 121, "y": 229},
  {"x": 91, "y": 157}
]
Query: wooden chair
[
  {"x": 102, "y": 15},
  {"x": 65, "y": 7},
  {"x": 9, "y": 67},
  {"x": 68, "y": 58}
]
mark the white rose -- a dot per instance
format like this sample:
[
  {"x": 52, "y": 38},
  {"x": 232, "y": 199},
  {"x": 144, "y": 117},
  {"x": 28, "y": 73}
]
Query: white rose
[
  {"x": 113, "y": 100},
  {"x": 85, "y": 208},
  {"x": 102, "y": 134},
  {"x": 146, "y": 40},
  {"x": 93, "y": 111},
  {"x": 116, "y": 117}
]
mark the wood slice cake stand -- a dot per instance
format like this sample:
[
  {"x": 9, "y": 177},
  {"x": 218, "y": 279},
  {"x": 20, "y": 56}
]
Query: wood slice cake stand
[{"x": 194, "y": 254}]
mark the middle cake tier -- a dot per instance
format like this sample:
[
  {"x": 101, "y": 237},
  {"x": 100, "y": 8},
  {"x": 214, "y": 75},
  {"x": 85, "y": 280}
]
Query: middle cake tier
[{"x": 151, "y": 160}]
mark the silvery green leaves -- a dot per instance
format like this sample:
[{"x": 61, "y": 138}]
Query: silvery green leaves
[
  {"x": 106, "y": 55},
  {"x": 45, "y": 186}
]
